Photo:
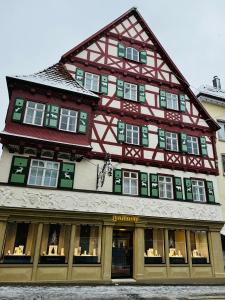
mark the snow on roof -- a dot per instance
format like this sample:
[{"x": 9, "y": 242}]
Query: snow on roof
[
  {"x": 56, "y": 76},
  {"x": 211, "y": 92}
]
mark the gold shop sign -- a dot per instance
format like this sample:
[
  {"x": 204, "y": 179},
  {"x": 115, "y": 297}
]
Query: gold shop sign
[{"x": 125, "y": 219}]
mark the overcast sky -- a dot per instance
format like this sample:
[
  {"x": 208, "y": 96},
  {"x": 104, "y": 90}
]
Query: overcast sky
[{"x": 35, "y": 34}]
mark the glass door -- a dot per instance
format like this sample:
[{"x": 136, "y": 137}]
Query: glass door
[{"x": 122, "y": 253}]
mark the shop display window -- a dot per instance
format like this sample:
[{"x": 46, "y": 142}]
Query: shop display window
[
  {"x": 87, "y": 248},
  {"x": 154, "y": 246},
  {"x": 55, "y": 244},
  {"x": 177, "y": 246},
  {"x": 199, "y": 247},
  {"x": 19, "y": 243}
]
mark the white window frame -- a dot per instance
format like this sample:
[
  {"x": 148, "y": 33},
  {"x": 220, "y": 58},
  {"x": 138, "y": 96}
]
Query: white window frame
[
  {"x": 191, "y": 141},
  {"x": 198, "y": 190},
  {"x": 130, "y": 131},
  {"x": 92, "y": 78},
  {"x": 131, "y": 55},
  {"x": 221, "y": 132},
  {"x": 170, "y": 138},
  {"x": 130, "y": 180},
  {"x": 172, "y": 101},
  {"x": 68, "y": 115},
  {"x": 132, "y": 88},
  {"x": 44, "y": 172},
  {"x": 165, "y": 187},
  {"x": 35, "y": 109}
]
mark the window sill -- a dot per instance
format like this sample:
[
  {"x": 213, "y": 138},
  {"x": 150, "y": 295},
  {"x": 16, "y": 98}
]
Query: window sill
[
  {"x": 173, "y": 110},
  {"x": 221, "y": 140}
]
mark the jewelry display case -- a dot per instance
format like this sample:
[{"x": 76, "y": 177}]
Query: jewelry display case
[
  {"x": 55, "y": 243},
  {"x": 154, "y": 246},
  {"x": 87, "y": 244},
  {"x": 19, "y": 243}
]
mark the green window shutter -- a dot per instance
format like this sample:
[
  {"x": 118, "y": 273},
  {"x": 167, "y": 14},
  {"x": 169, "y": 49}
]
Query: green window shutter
[
  {"x": 117, "y": 181},
  {"x": 66, "y": 175},
  {"x": 19, "y": 170},
  {"x": 144, "y": 136},
  {"x": 161, "y": 138},
  {"x": 79, "y": 76},
  {"x": 154, "y": 186},
  {"x": 210, "y": 191},
  {"x": 143, "y": 184},
  {"x": 141, "y": 93},
  {"x": 52, "y": 116},
  {"x": 18, "y": 109},
  {"x": 203, "y": 146},
  {"x": 143, "y": 57},
  {"x": 119, "y": 88},
  {"x": 121, "y": 132},
  {"x": 162, "y": 99},
  {"x": 178, "y": 188},
  {"x": 182, "y": 103},
  {"x": 83, "y": 119},
  {"x": 188, "y": 189},
  {"x": 183, "y": 142},
  {"x": 104, "y": 84},
  {"x": 121, "y": 50}
]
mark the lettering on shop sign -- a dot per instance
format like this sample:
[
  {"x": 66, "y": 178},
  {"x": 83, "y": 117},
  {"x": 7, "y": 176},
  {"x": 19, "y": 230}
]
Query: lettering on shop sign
[{"x": 125, "y": 218}]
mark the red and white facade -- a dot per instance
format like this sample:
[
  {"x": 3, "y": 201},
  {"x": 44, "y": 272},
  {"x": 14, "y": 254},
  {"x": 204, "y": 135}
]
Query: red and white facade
[{"x": 141, "y": 113}]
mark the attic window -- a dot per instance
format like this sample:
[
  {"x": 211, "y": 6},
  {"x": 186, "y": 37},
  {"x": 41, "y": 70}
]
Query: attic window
[{"x": 132, "y": 54}]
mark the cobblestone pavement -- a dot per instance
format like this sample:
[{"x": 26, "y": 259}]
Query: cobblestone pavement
[{"x": 116, "y": 292}]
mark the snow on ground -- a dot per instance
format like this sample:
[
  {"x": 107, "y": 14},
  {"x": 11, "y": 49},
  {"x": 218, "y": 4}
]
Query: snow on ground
[{"x": 117, "y": 292}]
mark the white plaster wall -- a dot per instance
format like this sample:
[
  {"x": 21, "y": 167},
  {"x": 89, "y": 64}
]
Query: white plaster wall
[
  {"x": 5, "y": 165},
  {"x": 103, "y": 203},
  {"x": 86, "y": 171}
]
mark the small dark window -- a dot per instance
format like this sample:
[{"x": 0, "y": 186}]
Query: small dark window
[{"x": 223, "y": 163}]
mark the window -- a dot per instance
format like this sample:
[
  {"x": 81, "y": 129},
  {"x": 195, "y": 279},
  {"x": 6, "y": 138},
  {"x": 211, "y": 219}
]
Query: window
[
  {"x": 68, "y": 120},
  {"x": 198, "y": 188},
  {"x": 132, "y": 54},
  {"x": 192, "y": 145},
  {"x": 177, "y": 246},
  {"x": 132, "y": 134},
  {"x": 199, "y": 247},
  {"x": 19, "y": 243},
  {"x": 172, "y": 101},
  {"x": 91, "y": 82},
  {"x": 154, "y": 246},
  {"x": 165, "y": 187},
  {"x": 87, "y": 244},
  {"x": 223, "y": 163},
  {"x": 221, "y": 132},
  {"x": 171, "y": 141},
  {"x": 54, "y": 244},
  {"x": 130, "y": 183},
  {"x": 130, "y": 91},
  {"x": 34, "y": 113},
  {"x": 43, "y": 173}
]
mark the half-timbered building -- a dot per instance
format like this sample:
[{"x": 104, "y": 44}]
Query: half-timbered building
[{"x": 109, "y": 168}]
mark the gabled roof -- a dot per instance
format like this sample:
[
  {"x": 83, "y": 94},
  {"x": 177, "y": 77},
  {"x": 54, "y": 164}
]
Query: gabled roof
[
  {"x": 58, "y": 77},
  {"x": 160, "y": 49},
  {"x": 107, "y": 28}
]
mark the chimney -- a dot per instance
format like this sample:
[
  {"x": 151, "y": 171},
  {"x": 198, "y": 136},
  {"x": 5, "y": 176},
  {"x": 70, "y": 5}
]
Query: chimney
[{"x": 216, "y": 83}]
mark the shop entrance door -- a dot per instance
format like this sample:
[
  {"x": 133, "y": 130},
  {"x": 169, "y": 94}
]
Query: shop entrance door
[{"x": 122, "y": 253}]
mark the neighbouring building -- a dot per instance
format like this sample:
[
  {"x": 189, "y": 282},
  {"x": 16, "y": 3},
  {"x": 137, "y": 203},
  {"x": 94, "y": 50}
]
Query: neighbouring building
[
  {"x": 109, "y": 168},
  {"x": 213, "y": 99}
]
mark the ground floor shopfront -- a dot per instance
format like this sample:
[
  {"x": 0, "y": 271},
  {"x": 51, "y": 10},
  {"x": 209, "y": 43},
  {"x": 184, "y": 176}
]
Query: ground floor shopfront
[{"x": 47, "y": 246}]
